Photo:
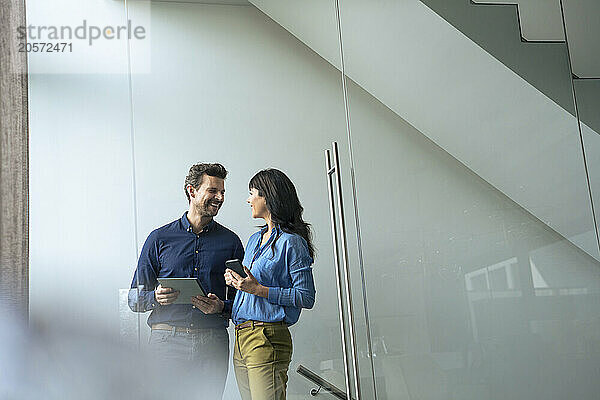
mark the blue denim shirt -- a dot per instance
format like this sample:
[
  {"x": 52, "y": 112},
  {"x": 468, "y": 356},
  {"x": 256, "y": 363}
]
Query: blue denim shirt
[
  {"x": 285, "y": 269},
  {"x": 175, "y": 251}
]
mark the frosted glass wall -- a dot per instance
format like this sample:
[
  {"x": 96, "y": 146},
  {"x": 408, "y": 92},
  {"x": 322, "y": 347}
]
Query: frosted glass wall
[
  {"x": 82, "y": 243},
  {"x": 480, "y": 283}
]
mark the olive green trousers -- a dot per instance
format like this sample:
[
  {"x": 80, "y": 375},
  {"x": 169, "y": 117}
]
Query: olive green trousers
[{"x": 261, "y": 359}]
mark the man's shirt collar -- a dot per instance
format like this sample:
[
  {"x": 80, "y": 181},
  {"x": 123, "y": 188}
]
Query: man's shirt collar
[{"x": 185, "y": 222}]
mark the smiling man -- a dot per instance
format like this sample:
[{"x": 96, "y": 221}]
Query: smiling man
[{"x": 189, "y": 343}]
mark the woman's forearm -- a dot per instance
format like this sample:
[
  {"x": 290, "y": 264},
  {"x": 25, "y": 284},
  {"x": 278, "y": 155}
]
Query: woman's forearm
[
  {"x": 262, "y": 291},
  {"x": 296, "y": 297}
]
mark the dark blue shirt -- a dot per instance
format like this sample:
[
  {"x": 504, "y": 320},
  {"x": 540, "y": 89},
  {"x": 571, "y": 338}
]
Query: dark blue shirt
[
  {"x": 175, "y": 251},
  {"x": 283, "y": 264}
]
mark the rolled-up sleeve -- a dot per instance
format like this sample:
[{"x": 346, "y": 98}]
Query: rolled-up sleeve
[
  {"x": 299, "y": 265},
  {"x": 141, "y": 294}
]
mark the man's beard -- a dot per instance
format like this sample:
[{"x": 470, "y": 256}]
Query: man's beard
[{"x": 206, "y": 210}]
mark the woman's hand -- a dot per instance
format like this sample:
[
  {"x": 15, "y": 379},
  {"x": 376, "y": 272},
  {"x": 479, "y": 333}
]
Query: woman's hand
[{"x": 248, "y": 284}]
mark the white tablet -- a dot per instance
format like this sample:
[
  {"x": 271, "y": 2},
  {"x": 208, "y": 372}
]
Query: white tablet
[{"x": 188, "y": 288}]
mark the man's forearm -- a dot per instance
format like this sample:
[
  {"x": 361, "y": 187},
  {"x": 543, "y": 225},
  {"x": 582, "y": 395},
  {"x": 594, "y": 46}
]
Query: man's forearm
[{"x": 141, "y": 300}]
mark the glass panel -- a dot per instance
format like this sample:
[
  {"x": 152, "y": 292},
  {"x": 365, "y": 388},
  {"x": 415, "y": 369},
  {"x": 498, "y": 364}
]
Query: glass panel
[
  {"x": 475, "y": 218},
  {"x": 81, "y": 218},
  {"x": 230, "y": 84},
  {"x": 588, "y": 103},
  {"x": 581, "y": 353},
  {"x": 81, "y": 204}
]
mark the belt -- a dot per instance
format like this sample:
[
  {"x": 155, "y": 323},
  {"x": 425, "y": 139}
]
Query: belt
[
  {"x": 167, "y": 327},
  {"x": 252, "y": 324}
]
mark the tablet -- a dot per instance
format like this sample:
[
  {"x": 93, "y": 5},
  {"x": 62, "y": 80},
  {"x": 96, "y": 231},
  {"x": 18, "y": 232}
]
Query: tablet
[{"x": 188, "y": 288}]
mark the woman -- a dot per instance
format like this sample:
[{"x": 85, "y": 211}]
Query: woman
[{"x": 278, "y": 285}]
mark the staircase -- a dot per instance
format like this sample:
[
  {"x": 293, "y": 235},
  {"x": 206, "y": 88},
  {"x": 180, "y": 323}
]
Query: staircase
[
  {"x": 512, "y": 133},
  {"x": 496, "y": 29},
  {"x": 539, "y": 20},
  {"x": 542, "y": 21},
  {"x": 541, "y": 59}
]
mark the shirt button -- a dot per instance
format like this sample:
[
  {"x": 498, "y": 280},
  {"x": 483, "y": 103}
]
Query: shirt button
[
  {"x": 193, "y": 306},
  {"x": 195, "y": 269},
  {"x": 196, "y": 251}
]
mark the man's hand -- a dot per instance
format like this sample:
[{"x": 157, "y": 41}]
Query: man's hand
[
  {"x": 208, "y": 305},
  {"x": 248, "y": 284},
  {"x": 165, "y": 296}
]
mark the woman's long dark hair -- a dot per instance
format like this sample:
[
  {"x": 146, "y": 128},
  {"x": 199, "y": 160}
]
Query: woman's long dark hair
[{"x": 283, "y": 203}]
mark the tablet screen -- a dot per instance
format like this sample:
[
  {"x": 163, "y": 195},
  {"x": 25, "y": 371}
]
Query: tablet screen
[{"x": 188, "y": 288}]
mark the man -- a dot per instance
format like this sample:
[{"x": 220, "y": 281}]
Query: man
[{"x": 191, "y": 338}]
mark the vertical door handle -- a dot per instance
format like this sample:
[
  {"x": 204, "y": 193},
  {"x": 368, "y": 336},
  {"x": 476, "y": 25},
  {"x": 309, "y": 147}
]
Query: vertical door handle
[
  {"x": 329, "y": 171},
  {"x": 335, "y": 170}
]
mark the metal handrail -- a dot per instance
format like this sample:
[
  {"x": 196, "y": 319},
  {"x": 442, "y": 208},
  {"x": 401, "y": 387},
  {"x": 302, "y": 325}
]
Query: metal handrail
[{"x": 321, "y": 382}]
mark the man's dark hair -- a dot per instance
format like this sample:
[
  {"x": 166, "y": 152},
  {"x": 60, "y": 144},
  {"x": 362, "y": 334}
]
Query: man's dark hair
[{"x": 197, "y": 172}]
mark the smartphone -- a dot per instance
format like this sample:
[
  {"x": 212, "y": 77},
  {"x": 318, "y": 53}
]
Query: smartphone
[{"x": 236, "y": 266}]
